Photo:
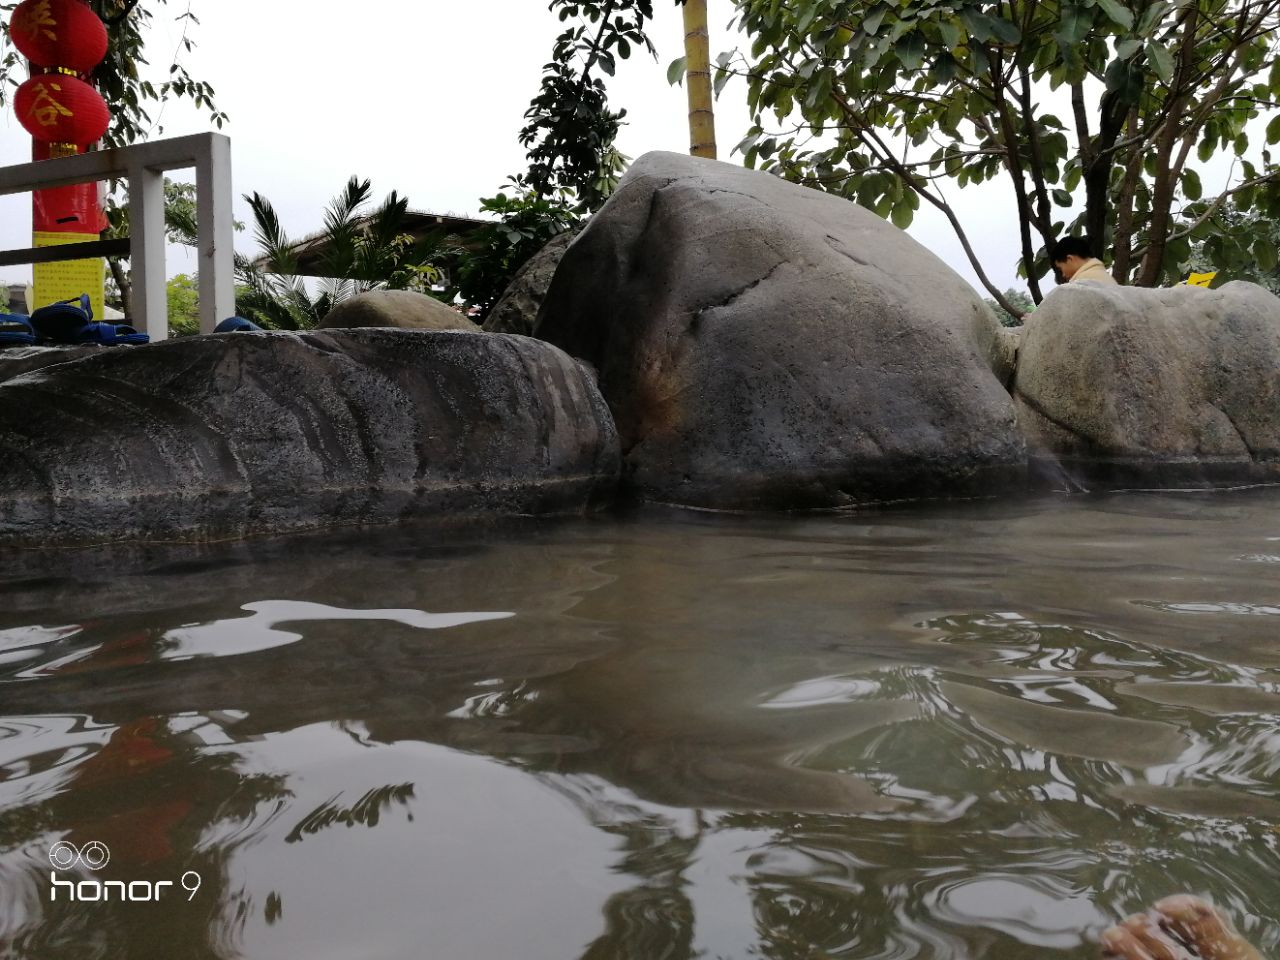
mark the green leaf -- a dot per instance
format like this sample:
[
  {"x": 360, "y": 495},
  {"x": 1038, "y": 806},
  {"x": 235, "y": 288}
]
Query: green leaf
[
  {"x": 902, "y": 214},
  {"x": 910, "y": 51},
  {"x": 1073, "y": 26},
  {"x": 978, "y": 25},
  {"x": 1005, "y": 31},
  {"x": 1273, "y": 128},
  {"x": 1191, "y": 185},
  {"x": 1264, "y": 251},
  {"x": 1062, "y": 198},
  {"x": 944, "y": 69},
  {"x": 1075, "y": 67},
  {"x": 869, "y": 190},
  {"x": 807, "y": 17},
  {"x": 1118, "y": 14},
  {"x": 1161, "y": 61},
  {"x": 677, "y": 70},
  {"x": 1127, "y": 47},
  {"x": 1132, "y": 80},
  {"x": 950, "y": 33},
  {"x": 871, "y": 22},
  {"x": 748, "y": 141},
  {"x": 1117, "y": 75},
  {"x": 1151, "y": 17}
]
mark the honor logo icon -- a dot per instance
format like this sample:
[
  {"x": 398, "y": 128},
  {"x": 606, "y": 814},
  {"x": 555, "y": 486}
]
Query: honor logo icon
[{"x": 95, "y": 855}]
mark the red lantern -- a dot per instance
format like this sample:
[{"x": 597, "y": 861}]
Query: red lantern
[
  {"x": 59, "y": 33},
  {"x": 60, "y": 108}
]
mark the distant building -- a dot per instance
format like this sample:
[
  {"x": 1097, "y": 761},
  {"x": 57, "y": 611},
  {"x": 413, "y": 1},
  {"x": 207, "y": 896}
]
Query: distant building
[
  {"x": 20, "y": 299},
  {"x": 20, "y": 302}
]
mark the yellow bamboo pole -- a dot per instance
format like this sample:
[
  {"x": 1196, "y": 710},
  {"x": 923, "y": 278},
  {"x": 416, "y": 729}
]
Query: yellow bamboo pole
[{"x": 697, "y": 51}]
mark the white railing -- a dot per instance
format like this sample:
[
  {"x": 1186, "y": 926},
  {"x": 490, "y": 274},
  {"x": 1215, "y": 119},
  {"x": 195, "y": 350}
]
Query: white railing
[{"x": 144, "y": 166}]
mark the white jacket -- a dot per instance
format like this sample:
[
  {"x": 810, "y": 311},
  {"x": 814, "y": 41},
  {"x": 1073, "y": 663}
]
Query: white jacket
[{"x": 1093, "y": 271}]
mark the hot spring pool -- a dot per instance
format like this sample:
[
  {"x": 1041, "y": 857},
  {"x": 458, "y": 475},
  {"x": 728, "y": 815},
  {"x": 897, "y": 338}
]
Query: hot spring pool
[{"x": 976, "y": 730}]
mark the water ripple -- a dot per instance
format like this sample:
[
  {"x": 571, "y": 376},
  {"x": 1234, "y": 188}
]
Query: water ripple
[
  {"x": 940, "y": 735},
  {"x": 1236, "y": 609}
]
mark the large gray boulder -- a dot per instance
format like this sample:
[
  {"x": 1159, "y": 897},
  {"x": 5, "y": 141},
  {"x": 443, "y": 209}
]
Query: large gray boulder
[
  {"x": 268, "y": 432},
  {"x": 401, "y": 309},
  {"x": 16, "y": 361},
  {"x": 1123, "y": 386},
  {"x": 764, "y": 345},
  {"x": 517, "y": 310}
]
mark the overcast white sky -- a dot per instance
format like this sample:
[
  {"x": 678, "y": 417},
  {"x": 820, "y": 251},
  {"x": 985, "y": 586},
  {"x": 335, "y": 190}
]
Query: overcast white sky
[
  {"x": 424, "y": 98},
  {"x": 427, "y": 99}
]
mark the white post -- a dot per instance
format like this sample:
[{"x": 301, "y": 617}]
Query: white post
[
  {"x": 146, "y": 252},
  {"x": 144, "y": 165},
  {"x": 217, "y": 237}
]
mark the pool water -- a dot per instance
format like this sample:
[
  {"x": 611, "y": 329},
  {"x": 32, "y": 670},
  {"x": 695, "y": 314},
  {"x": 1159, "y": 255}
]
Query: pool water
[{"x": 972, "y": 730}]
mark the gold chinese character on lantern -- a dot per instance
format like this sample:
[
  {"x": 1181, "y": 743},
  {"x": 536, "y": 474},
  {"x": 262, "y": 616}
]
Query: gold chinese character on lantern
[
  {"x": 37, "y": 18},
  {"x": 45, "y": 108}
]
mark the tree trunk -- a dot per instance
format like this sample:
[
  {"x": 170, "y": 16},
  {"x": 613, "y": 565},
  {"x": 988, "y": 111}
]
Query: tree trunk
[
  {"x": 1122, "y": 264},
  {"x": 123, "y": 285},
  {"x": 1166, "y": 177},
  {"x": 697, "y": 51}
]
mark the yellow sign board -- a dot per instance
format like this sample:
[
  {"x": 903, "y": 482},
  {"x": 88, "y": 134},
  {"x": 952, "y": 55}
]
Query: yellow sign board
[
  {"x": 1201, "y": 279},
  {"x": 69, "y": 278}
]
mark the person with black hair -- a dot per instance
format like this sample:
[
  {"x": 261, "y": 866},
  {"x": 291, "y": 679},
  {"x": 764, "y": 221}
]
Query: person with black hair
[{"x": 1074, "y": 261}]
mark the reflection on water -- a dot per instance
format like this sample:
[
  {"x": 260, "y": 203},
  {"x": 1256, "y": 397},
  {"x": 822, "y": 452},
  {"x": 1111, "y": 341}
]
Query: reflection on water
[
  {"x": 983, "y": 730},
  {"x": 259, "y": 631}
]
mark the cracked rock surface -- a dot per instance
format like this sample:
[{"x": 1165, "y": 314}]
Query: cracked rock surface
[
  {"x": 1165, "y": 387},
  {"x": 250, "y": 433},
  {"x": 764, "y": 345}
]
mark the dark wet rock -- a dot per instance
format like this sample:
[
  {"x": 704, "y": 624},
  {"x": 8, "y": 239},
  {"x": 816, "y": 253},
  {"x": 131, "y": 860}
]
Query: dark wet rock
[
  {"x": 16, "y": 361},
  {"x": 1004, "y": 358},
  {"x": 517, "y": 310},
  {"x": 1121, "y": 386},
  {"x": 272, "y": 432},
  {"x": 403, "y": 309},
  {"x": 764, "y": 345}
]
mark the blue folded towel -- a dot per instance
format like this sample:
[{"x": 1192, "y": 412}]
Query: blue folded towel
[
  {"x": 16, "y": 331},
  {"x": 62, "y": 322},
  {"x": 110, "y": 334}
]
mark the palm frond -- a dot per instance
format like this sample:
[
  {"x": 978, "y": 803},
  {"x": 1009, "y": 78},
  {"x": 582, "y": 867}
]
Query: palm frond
[{"x": 277, "y": 248}]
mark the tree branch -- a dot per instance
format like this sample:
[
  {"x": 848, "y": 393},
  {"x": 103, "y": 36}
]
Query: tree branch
[
  {"x": 1013, "y": 163},
  {"x": 1214, "y": 206},
  {"x": 1045, "y": 208},
  {"x": 868, "y": 136},
  {"x": 1165, "y": 178},
  {"x": 1122, "y": 243}
]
